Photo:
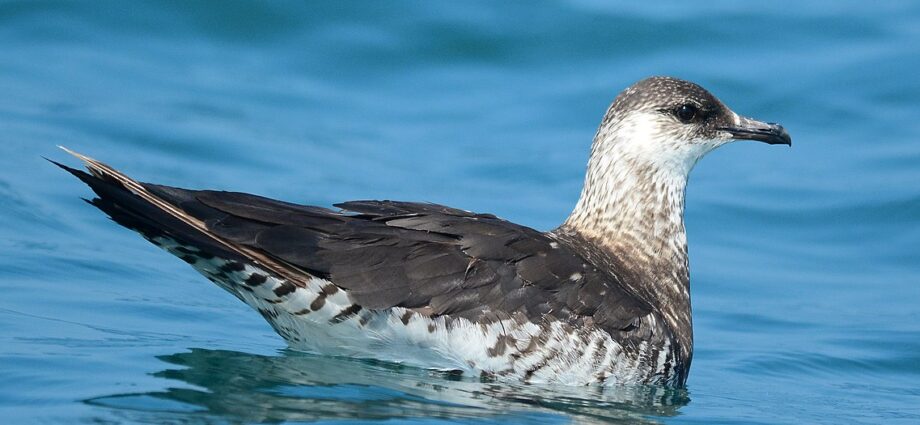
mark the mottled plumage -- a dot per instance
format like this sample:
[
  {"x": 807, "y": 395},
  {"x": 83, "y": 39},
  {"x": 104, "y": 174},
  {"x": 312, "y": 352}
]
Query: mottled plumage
[{"x": 602, "y": 299}]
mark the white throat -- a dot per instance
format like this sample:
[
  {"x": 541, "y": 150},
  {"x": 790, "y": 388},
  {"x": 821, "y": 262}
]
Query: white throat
[{"x": 636, "y": 179}]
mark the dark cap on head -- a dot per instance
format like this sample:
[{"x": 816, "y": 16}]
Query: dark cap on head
[{"x": 655, "y": 93}]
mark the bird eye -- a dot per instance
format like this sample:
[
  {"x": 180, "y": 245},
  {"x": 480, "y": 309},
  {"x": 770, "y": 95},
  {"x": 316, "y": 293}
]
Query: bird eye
[{"x": 686, "y": 113}]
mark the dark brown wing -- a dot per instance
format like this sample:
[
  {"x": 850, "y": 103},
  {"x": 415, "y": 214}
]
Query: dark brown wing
[
  {"x": 441, "y": 260},
  {"x": 418, "y": 255}
]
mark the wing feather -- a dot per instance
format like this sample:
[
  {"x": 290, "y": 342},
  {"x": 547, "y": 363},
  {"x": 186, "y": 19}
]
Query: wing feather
[{"x": 386, "y": 254}]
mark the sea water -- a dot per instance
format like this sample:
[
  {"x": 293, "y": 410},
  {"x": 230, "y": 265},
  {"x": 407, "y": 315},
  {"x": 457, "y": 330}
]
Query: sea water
[{"x": 805, "y": 261}]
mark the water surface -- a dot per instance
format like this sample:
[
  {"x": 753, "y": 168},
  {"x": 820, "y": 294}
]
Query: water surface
[{"x": 804, "y": 261}]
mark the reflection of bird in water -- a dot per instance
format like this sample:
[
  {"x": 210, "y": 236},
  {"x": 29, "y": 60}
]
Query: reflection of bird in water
[
  {"x": 604, "y": 298},
  {"x": 297, "y": 387}
]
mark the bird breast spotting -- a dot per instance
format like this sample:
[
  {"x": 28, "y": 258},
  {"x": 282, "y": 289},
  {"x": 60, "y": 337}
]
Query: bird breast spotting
[{"x": 602, "y": 299}]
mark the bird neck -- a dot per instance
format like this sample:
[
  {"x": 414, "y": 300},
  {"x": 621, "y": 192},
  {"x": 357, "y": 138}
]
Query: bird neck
[{"x": 633, "y": 208}]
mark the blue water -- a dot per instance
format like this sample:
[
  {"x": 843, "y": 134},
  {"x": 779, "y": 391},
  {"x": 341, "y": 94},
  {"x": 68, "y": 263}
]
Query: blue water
[{"x": 805, "y": 261}]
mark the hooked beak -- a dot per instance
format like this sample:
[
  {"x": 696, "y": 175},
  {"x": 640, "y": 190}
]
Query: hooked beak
[{"x": 748, "y": 129}]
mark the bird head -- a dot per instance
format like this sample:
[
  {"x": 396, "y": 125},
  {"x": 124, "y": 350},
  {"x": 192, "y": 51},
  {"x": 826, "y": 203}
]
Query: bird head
[{"x": 669, "y": 123}]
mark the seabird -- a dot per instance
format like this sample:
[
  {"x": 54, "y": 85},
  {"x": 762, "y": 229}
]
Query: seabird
[{"x": 602, "y": 299}]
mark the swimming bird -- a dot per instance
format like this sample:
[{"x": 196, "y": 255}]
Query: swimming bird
[{"x": 602, "y": 299}]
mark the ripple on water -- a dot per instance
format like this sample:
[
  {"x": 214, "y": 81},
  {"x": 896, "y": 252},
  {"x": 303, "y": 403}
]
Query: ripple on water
[{"x": 299, "y": 387}]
